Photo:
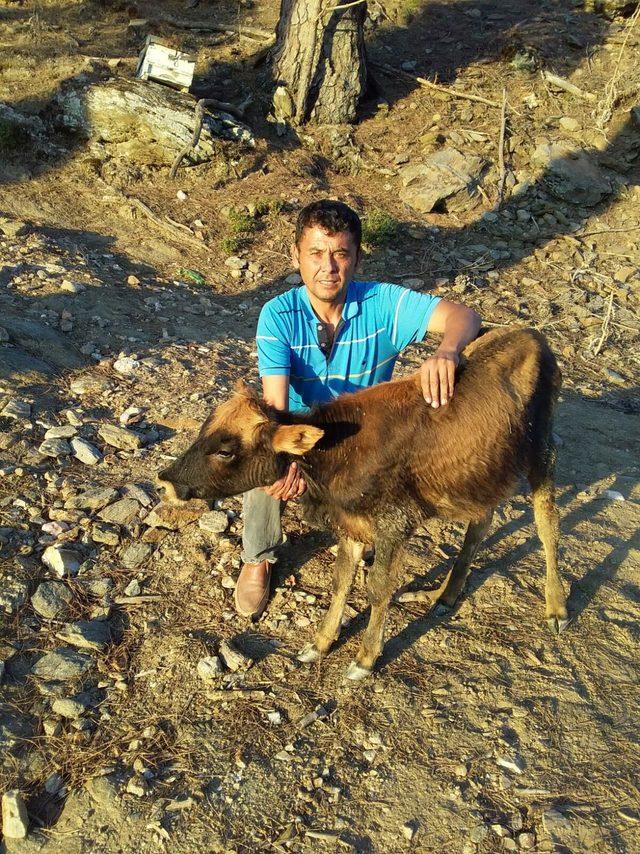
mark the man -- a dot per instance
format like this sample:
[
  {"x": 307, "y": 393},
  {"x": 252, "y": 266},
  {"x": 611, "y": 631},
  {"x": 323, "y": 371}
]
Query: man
[{"x": 333, "y": 335}]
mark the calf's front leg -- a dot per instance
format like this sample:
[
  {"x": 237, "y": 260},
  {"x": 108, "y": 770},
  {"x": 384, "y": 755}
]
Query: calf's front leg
[
  {"x": 382, "y": 581},
  {"x": 349, "y": 554}
]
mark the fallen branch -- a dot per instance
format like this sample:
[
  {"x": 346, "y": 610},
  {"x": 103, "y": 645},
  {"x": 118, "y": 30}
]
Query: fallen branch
[
  {"x": 250, "y": 32},
  {"x": 201, "y": 106},
  {"x": 235, "y": 694},
  {"x": 605, "y": 326},
  {"x": 137, "y": 600},
  {"x": 501, "y": 166},
  {"x": 561, "y": 83},
  {"x": 165, "y": 226},
  {"x": 607, "y": 231},
  {"x": 427, "y": 84}
]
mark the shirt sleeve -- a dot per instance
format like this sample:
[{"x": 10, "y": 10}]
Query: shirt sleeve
[
  {"x": 405, "y": 313},
  {"x": 274, "y": 352}
]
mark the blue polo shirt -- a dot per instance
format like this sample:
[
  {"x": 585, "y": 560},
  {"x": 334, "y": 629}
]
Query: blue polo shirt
[{"x": 378, "y": 321}]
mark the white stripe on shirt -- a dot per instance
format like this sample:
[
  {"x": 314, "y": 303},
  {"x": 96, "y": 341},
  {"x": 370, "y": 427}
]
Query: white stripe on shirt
[
  {"x": 395, "y": 320},
  {"x": 341, "y": 377}
]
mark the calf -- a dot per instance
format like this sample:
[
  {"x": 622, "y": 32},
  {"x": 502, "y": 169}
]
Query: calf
[{"x": 379, "y": 462}]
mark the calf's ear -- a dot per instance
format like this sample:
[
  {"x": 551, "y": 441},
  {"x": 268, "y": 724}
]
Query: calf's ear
[{"x": 296, "y": 438}]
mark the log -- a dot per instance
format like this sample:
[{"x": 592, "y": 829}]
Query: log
[
  {"x": 320, "y": 61},
  {"x": 145, "y": 122}
]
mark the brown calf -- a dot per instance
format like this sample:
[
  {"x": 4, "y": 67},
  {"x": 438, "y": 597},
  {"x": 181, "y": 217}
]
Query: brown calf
[{"x": 379, "y": 462}]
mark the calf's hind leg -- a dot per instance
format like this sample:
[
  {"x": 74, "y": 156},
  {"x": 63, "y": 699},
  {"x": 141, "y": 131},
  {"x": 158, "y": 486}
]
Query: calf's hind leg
[
  {"x": 545, "y": 513},
  {"x": 382, "y": 581},
  {"x": 448, "y": 592},
  {"x": 349, "y": 553}
]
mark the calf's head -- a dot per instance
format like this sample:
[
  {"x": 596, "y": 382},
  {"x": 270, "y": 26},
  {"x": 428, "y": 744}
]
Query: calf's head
[{"x": 241, "y": 446}]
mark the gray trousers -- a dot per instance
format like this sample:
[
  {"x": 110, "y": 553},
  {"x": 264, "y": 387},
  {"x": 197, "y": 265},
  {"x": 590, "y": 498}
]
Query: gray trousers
[{"x": 262, "y": 531}]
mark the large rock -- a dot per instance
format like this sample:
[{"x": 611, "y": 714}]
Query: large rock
[
  {"x": 55, "y": 448},
  {"x": 86, "y": 634},
  {"x": 85, "y": 451},
  {"x": 52, "y": 600},
  {"x": 62, "y": 665},
  {"x": 572, "y": 175},
  {"x": 445, "y": 181},
  {"x": 144, "y": 122}
]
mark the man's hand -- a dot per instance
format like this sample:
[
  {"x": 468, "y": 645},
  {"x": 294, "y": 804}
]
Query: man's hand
[
  {"x": 437, "y": 376},
  {"x": 291, "y": 486}
]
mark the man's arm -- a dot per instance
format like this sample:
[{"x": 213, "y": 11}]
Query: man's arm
[
  {"x": 275, "y": 391},
  {"x": 458, "y": 325}
]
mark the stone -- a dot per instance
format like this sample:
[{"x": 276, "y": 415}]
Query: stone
[
  {"x": 94, "y": 498},
  {"x": 235, "y": 263},
  {"x": 19, "y": 410},
  {"x": 569, "y": 124},
  {"x": 137, "y": 786},
  {"x": 53, "y": 784},
  {"x": 175, "y": 516},
  {"x": 12, "y": 228},
  {"x": 103, "y": 790},
  {"x": 71, "y": 287},
  {"x": 133, "y": 588},
  {"x": 89, "y": 384},
  {"x": 233, "y": 658},
  {"x": 121, "y": 512},
  {"x": 131, "y": 415},
  {"x": 138, "y": 493},
  {"x": 214, "y": 522},
  {"x": 479, "y": 833},
  {"x": 409, "y": 829},
  {"x": 99, "y": 586},
  {"x": 126, "y": 365},
  {"x": 527, "y": 841},
  {"x": 15, "y": 822},
  {"x": 415, "y": 284},
  {"x": 447, "y": 180},
  {"x": 86, "y": 634},
  {"x": 571, "y": 175},
  {"x": 62, "y": 665},
  {"x": 209, "y": 667},
  {"x": 135, "y": 554},
  {"x": 68, "y": 708},
  {"x": 515, "y": 765},
  {"x": 4, "y": 335},
  {"x": 106, "y": 534},
  {"x": 120, "y": 437},
  {"x": 293, "y": 279},
  {"x": 64, "y": 562},
  {"x": 52, "y": 600},
  {"x": 13, "y": 594},
  {"x": 55, "y": 448},
  {"x": 85, "y": 451},
  {"x": 66, "y": 431}
]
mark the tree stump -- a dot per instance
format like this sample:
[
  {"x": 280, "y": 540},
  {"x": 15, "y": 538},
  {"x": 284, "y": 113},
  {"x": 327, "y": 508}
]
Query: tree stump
[
  {"x": 319, "y": 61},
  {"x": 145, "y": 122}
]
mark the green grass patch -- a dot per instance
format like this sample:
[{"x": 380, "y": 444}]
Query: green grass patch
[{"x": 379, "y": 228}]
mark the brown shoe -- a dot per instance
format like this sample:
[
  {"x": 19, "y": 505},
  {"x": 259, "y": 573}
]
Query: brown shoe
[{"x": 252, "y": 589}]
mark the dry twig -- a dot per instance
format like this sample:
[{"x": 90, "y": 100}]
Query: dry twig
[
  {"x": 567, "y": 86},
  {"x": 607, "y": 104},
  {"x": 165, "y": 226},
  {"x": 427, "y": 84},
  {"x": 501, "y": 166},
  {"x": 605, "y": 326}
]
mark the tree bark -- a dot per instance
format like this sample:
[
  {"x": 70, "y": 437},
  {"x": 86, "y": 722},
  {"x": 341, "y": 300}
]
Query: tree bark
[{"x": 320, "y": 59}]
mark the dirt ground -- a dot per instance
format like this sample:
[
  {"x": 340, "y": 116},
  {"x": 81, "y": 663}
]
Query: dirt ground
[{"x": 479, "y": 730}]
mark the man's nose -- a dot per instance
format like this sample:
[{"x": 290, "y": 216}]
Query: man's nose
[{"x": 330, "y": 264}]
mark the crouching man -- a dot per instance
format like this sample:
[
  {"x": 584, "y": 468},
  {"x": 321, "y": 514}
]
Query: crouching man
[{"x": 331, "y": 335}]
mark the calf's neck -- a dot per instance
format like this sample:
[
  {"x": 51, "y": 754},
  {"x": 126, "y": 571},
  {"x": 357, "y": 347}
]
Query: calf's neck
[{"x": 380, "y": 462}]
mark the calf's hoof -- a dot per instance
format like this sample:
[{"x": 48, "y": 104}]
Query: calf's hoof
[
  {"x": 309, "y": 654},
  {"x": 356, "y": 672},
  {"x": 558, "y": 625}
]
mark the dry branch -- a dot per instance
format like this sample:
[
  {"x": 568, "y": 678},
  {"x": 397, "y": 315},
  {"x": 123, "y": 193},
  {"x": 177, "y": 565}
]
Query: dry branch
[
  {"x": 567, "y": 86},
  {"x": 427, "y": 84},
  {"x": 165, "y": 226},
  {"x": 501, "y": 166},
  {"x": 250, "y": 32}
]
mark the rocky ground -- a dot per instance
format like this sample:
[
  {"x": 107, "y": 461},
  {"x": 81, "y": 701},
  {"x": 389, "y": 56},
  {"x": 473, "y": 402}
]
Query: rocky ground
[{"x": 137, "y": 711}]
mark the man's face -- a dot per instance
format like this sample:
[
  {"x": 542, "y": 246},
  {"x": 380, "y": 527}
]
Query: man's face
[{"x": 327, "y": 262}]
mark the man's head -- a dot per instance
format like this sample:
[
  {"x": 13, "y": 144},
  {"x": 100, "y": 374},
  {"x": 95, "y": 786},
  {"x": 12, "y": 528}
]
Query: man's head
[{"x": 327, "y": 248}]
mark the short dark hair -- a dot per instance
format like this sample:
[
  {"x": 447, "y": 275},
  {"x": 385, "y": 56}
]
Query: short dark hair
[{"x": 331, "y": 217}]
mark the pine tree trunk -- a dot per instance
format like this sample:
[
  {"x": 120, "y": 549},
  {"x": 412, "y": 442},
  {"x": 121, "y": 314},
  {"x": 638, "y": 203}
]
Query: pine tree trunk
[{"x": 320, "y": 60}]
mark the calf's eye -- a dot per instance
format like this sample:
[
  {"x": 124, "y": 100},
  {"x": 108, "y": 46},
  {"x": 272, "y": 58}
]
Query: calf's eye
[{"x": 227, "y": 456}]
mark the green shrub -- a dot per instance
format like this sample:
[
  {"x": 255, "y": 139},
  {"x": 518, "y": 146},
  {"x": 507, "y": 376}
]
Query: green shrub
[{"x": 378, "y": 228}]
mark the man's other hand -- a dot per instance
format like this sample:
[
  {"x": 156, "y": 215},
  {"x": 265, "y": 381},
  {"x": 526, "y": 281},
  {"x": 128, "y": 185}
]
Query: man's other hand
[
  {"x": 437, "y": 376},
  {"x": 289, "y": 487}
]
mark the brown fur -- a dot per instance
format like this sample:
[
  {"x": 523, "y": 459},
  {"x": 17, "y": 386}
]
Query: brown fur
[{"x": 378, "y": 462}]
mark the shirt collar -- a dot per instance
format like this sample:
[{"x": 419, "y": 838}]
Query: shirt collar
[{"x": 350, "y": 309}]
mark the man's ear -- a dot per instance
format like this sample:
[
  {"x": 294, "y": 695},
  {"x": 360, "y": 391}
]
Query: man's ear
[
  {"x": 295, "y": 256},
  {"x": 296, "y": 438}
]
